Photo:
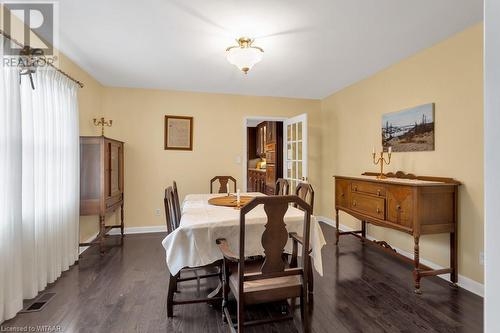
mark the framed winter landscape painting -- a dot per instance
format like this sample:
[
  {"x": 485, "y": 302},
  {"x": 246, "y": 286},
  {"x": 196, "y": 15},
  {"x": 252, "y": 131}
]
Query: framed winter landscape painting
[{"x": 409, "y": 130}]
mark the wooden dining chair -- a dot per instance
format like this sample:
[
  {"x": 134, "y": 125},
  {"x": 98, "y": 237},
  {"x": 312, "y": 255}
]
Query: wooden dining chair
[
  {"x": 176, "y": 201},
  {"x": 223, "y": 183},
  {"x": 282, "y": 187},
  {"x": 269, "y": 280},
  {"x": 171, "y": 216},
  {"x": 306, "y": 192},
  {"x": 174, "y": 280}
]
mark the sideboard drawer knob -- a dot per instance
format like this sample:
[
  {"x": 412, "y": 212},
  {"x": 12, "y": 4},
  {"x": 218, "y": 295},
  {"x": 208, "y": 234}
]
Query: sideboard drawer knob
[
  {"x": 378, "y": 210},
  {"x": 398, "y": 207},
  {"x": 355, "y": 188},
  {"x": 354, "y": 203},
  {"x": 378, "y": 193}
]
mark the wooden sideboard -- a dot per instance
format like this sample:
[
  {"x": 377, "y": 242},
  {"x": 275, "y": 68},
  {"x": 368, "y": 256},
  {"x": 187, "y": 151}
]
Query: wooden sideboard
[
  {"x": 101, "y": 182},
  {"x": 403, "y": 202}
]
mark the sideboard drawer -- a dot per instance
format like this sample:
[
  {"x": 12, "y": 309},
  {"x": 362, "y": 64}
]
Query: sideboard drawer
[
  {"x": 368, "y": 205},
  {"x": 367, "y": 187}
]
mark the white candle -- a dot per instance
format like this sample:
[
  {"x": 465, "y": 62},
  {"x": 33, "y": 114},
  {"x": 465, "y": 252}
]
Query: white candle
[
  {"x": 238, "y": 195},
  {"x": 390, "y": 150}
]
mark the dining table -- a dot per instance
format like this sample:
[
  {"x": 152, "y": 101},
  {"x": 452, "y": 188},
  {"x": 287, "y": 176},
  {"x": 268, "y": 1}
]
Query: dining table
[{"x": 193, "y": 243}]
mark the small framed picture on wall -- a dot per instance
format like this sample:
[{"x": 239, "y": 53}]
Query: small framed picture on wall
[{"x": 178, "y": 133}]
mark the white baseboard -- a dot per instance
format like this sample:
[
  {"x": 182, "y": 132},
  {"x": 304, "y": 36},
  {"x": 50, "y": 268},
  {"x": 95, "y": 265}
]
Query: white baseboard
[
  {"x": 127, "y": 231},
  {"x": 463, "y": 281},
  {"x": 139, "y": 230},
  {"x": 90, "y": 239}
]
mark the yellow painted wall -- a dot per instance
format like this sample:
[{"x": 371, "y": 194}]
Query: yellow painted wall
[
  {"x": 449, "y": 74},
  {"x": 138, "y": 120}
]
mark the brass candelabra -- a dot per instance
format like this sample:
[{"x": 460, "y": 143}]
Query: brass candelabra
[
  {"x": 102, "y": 122},
  {"x": 381, "y": 160}
]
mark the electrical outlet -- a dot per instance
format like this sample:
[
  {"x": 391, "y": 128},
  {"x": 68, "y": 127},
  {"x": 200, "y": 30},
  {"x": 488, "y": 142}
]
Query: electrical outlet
[
  {"x": 481, "y": 258},
  {"x": 157, "y": 211}
]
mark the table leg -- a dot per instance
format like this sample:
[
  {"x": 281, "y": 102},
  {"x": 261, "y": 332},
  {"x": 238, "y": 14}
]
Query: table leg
[
  {"x": 453, "y": 258},
  {"x": 122, "y": 225},
  {"x": 102, "y": 233},
  {"x": 416, "y": 262},
  {"x": 337, "y": 231}
]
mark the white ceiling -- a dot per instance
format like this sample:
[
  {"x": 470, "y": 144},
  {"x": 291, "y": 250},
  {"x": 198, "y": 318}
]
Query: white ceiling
[{"x": 312, "y": 47}]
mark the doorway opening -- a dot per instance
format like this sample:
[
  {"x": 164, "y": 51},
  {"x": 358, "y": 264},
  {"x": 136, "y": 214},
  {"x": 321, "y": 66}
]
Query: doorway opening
[{"x": 274, "y": 148}]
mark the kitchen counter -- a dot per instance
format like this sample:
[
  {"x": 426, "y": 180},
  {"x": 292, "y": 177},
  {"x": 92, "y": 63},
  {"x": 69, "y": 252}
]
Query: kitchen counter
[{"x": 258, "y": 170}]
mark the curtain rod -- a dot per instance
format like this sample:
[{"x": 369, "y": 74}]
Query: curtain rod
[{"x": 6, "y": 35}]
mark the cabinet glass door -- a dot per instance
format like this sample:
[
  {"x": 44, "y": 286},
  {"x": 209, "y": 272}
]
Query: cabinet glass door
[
  {"x": 114, "y": 169},
  {"x": 295, "y": 147}
]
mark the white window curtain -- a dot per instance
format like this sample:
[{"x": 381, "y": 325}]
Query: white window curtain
[
  {"x": 50, "y": 178},
  {"x": 39, "y": 164},
  {"x": 11, "y": 295}
]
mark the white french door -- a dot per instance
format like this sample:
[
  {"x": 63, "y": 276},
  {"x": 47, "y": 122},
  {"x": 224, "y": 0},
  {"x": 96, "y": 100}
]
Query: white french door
[{"x": 295, "y": 148}]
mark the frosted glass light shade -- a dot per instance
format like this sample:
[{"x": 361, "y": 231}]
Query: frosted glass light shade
[{"x": 244, "y": 57}]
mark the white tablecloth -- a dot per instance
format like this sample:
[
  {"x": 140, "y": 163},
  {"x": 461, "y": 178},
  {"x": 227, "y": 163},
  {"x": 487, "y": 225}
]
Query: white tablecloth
[{"x": 193, "y": 243}]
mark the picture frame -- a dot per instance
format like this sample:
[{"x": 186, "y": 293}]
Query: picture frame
[
  {"x": 178, "y": 133},
  {"x": 409, "y": 130}
]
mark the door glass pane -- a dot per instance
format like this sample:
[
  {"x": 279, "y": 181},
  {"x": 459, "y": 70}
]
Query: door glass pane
[
  {"x": 294, "y": 170},
  {"x": 294, "y": 132},
  {"x": 299, "y": 150},
  {"x": 289, "y": 132},
  {"x": 299, "y": 171},
  {"x": 299, "y": 131},
  {"x": 294, "y": 149}
]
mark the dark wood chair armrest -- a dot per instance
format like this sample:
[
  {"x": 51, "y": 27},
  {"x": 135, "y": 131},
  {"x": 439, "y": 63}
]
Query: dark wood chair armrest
[
  {"x": 295, "y": 237},
  {"x": 226, "y": 251}
]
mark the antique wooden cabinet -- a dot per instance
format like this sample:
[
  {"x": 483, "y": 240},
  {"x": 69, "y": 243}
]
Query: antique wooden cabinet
[
  {"x": 256, "y": 180},
  {"x": 266, "y": 140},
  {"x": 404, "y": 202},
  {"x": 274, "y": 155},
  {"x": 101, "y": 181}
]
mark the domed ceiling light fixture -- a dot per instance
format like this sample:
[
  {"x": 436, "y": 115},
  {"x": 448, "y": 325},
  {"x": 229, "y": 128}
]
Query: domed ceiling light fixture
[{"x": 244, "y": 55}]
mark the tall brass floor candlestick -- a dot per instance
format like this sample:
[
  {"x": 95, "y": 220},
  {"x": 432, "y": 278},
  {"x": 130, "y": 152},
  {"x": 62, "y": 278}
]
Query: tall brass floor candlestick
[{"x": 382, "y": 160}]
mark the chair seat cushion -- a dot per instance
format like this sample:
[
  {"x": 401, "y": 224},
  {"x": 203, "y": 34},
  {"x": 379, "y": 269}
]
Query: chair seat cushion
[{"x": 267, "y": 290}]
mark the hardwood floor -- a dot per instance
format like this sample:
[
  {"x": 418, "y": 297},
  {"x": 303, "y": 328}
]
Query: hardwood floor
[{"x": 363, "y": 290}]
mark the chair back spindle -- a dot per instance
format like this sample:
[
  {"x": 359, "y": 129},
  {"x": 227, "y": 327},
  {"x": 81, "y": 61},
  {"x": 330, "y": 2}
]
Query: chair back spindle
[
  {"x": 306, "y": 192},
  {"x": 275, "y": 236},
  {"x": 282, "y": 187}
]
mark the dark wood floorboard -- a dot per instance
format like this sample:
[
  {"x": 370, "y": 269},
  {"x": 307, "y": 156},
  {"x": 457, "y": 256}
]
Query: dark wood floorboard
[{"x": 363, "y": 290}]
